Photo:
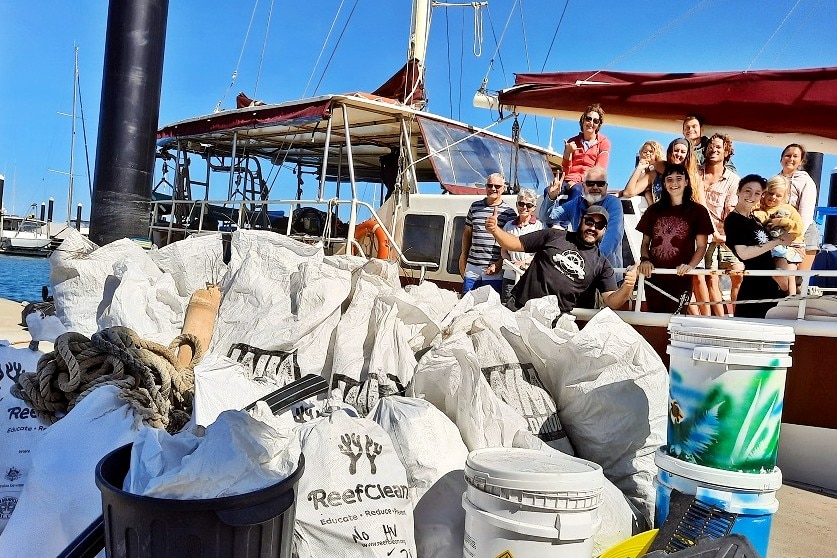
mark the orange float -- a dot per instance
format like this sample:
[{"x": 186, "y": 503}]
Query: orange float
[{"x": 372, "y": 227}]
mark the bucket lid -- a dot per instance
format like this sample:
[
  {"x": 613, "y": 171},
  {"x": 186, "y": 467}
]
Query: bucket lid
[
  {"x": 756, "y": 482},
  {"x": 533, "y": 470},
  {"x": 732, "y": 329}
]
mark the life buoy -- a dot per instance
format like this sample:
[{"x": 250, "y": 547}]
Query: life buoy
[{"x": 373, "y": 227}]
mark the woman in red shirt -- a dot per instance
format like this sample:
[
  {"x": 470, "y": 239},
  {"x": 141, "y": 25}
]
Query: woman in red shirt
[{"x": 588, "y": 149}]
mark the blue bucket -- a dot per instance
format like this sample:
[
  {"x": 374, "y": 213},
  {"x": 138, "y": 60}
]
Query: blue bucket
[{"x": 746, "y": 500}]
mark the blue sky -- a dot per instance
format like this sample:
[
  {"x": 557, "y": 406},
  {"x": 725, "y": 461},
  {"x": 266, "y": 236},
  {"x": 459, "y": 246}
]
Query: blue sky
[{"x": 205, "y": 40}]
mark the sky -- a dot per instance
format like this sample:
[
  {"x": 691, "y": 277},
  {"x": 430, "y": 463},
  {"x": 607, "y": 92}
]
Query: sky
[{"x": 283, "y": 50}]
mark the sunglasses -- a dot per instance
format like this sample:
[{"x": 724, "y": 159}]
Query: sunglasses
[
  {"x": 591, "y": 119},
  {"x": 596, "y": 183},
  {"x": 590, "y": 222},
  {"x": 524, "y": 204},
  {"x": 494, "y": 186}
]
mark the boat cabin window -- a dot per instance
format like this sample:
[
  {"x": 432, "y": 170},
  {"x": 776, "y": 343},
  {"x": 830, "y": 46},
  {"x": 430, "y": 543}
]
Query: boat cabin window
[
  {"x": 423, "y": 236},
  {"x": 455, "y": 247},
  {"x": 469, "y": 162}
]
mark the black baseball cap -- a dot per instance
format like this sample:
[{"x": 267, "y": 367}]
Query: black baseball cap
[{"x": 598, "y": 210}]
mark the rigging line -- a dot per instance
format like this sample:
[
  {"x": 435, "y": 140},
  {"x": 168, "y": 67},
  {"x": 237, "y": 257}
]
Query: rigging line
[
  {"x": 337, "y": 44},
  {"x": 325, "y": 42},
  {"x": 450, "y": 79},
  {"x": 498, "y": 43},
  {"x": 651, "y": 37},
  {"x": 84, "y": 135},
  {"x": 478, "y": 29},
  {"x": 787, "y": 16},
  {"x": 264, "y": 48},
  {"x": 801, "y": 25},
  {"x": 555, "y": 35},
  {"x": 240, "y": 56},
  {"x": 528, "y": 65}
]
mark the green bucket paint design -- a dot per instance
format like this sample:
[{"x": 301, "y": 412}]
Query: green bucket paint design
[{"x": 725, "y": 416}]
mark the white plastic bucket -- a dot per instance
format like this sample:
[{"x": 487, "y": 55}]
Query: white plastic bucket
[
  {"x": 726, "y": 391},
  {"x": 750, "y": 496},
  {"x": 530, "y": 503}
]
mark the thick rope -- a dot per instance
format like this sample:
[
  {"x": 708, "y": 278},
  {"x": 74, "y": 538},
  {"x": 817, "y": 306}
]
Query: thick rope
[{"x": 147, "y": 374}]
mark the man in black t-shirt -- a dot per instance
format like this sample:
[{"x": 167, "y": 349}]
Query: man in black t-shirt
[{"x": 568, "y": 265}]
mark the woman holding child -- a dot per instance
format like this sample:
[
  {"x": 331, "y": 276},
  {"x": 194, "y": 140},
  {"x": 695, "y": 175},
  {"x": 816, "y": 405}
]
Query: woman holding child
[
  {"x": 751, "y": 242},
  {"x": 779, "y": 216}
]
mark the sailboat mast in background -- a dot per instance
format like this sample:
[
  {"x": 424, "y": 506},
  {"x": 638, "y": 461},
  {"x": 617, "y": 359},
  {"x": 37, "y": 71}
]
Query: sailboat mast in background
[{"x": 72, "y": 141}]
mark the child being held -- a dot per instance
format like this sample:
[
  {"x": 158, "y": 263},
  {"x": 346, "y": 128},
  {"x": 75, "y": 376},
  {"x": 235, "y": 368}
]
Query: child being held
[{"x": 781, "y": 217}]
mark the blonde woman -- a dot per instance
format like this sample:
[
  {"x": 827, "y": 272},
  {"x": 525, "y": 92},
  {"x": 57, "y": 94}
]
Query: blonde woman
[
  {"x": 802, "y": 195},
  {"x": 646, "y": 178},
  {"x": 525, "y": 223}
]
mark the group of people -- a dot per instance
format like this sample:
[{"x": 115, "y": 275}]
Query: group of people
[{"x": 700, "y": 214}]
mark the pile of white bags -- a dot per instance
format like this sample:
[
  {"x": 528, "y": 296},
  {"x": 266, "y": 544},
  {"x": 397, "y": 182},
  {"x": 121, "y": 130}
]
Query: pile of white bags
[{"x": 477, "y": 375}]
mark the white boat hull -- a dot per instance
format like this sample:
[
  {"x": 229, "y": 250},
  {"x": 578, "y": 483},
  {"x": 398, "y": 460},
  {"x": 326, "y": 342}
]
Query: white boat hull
[{"x": 808, "y": 455}]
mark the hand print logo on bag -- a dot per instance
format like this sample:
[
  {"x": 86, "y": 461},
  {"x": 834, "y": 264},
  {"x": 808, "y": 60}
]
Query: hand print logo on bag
[
  {"x": 351, "y": 447},
  {"x": 13, "y": 371}
]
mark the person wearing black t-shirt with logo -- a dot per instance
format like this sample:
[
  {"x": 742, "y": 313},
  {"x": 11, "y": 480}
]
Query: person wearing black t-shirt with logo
[{"x": 568, "y": 265}]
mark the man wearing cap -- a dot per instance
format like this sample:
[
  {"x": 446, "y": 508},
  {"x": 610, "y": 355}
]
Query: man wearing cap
[
  {"x": 594, "y": 192},
  {"x": 567, "y": 264}
]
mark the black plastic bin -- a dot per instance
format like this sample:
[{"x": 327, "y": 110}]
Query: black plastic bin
[{"x": 257, "y": 524}]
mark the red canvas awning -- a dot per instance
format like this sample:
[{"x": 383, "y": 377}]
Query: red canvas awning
[
  {"x": 249, "y": 117},
  {"x": 773, "y": 105}
]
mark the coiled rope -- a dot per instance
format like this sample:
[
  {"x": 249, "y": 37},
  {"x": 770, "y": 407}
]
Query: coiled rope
[{"x": 147, "y": 374}]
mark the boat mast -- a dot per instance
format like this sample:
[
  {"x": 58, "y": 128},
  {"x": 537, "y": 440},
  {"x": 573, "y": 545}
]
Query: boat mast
[
  {"x": 72, "y": 141},
  {"x": 419, "y": 30}
]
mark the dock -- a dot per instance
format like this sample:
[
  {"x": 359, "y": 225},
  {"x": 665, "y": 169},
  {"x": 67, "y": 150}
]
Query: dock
[{"x": 805, "y": 525}]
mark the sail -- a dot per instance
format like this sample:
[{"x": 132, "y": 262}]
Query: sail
[{"x": 773, "y": 107}]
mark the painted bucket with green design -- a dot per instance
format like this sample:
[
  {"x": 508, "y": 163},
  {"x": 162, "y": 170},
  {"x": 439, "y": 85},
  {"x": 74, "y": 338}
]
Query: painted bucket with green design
[{"x": 726, "y": 391}]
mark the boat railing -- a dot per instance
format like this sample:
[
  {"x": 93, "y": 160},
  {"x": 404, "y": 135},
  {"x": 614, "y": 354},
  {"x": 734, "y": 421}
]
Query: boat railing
[
  {"x": 805, "y": 290},
  {"x": 251, "y": 214}
]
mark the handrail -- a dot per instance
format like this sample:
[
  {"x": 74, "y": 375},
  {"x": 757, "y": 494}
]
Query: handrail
[{"x": 802, "y": 296}]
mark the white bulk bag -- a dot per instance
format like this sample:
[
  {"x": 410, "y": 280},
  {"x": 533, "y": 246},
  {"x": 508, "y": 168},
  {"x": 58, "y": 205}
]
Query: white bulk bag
[
  {"x": 21, "y": 426},
  {"x": 353, "y": 498},
  {"x": 432, "y": 451},
  {"x": 614, "y": 403}
]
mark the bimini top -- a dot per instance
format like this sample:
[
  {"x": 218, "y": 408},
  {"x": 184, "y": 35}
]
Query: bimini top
[
  {"x": 773, "y": 107},
  {"x": 444, "y": 151}
]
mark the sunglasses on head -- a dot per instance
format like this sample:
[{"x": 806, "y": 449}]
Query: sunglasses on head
[
  {"x": 524, "y": 204},
  {"x": 494, "y": 186},
  {"x": 590, "y": 222},
  {"x": 597, "y": 183},
  {"x": 591, "y": 119}
]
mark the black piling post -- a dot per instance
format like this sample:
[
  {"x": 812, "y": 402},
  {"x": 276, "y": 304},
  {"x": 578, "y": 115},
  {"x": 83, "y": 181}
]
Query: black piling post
[
  {"x": 43, "y": 211},
  {"x": 129, "y": 113},
  {"x": 50, "y": 208},
  {"x": 78, "y": 218}
]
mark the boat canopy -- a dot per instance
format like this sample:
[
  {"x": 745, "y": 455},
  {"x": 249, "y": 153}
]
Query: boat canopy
[
  {"x": 773, "y": 107},
  {"x": 303, "y": 133}
]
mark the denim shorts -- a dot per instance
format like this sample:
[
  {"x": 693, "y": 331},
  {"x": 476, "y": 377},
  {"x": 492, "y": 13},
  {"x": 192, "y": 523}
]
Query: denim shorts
[{"x": 788, "y": 252}]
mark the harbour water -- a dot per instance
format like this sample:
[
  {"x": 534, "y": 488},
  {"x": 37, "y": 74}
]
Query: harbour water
[{"x": 21, "y": 277}]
